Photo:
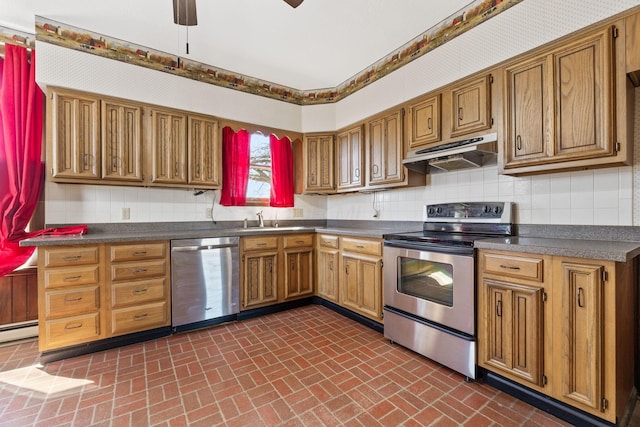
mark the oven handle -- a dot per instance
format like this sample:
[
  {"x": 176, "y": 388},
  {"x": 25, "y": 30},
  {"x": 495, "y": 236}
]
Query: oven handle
[{"x": 429, "y": 247}]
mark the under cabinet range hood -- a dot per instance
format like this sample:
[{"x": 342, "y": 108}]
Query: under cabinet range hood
[{"x": 467, "y": 153}]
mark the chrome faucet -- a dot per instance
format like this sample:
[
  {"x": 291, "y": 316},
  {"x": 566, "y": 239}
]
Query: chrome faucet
[{"x": 260, "y": 219}]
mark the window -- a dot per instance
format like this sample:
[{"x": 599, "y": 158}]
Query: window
[{"x": 259, "y": 185}]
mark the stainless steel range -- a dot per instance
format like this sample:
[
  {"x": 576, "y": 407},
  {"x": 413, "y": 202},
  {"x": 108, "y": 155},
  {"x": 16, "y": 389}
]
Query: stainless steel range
[{"x": 429, "y": 281}]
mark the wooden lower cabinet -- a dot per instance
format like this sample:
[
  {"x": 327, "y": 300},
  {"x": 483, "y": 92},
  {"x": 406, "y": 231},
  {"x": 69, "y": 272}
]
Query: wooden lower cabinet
[
  {"x": 92, "y": 292},
  {"x": 561, "y": 328},
  {"x": 276, "y": 269},
  {"x": 350, "y": 273}
]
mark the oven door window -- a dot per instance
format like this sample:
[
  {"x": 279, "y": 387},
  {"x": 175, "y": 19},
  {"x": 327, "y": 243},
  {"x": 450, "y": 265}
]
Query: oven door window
[{"x": 429, "y": 280}]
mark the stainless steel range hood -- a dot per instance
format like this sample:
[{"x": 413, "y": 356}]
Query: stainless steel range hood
[{"x": 466, "y": 153}]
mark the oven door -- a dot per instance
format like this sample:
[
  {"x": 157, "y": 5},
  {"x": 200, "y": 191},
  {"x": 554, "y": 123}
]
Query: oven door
[{"x": 436, "y": 286}]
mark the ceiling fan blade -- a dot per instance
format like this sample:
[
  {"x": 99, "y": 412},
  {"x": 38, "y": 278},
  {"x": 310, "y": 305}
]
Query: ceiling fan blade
[
  {"x": 294, "y": 3},
  {"x": 184, "y": 12}
]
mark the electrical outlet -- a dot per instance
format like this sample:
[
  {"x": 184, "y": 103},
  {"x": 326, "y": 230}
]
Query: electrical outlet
[
  {"x": 297, "y": 212},
  {"x": 209, "y": 213},
  {"x": 126, "y": 213}
]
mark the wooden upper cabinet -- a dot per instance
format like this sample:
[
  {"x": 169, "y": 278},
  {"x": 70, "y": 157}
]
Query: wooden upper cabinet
[
  {"x": 529, "y": 111},
  {"x": 204, "y": 152},
  {"x": 471, "y": 106},
  {"x": 121, "y": 130},
  {"x": 74, "y": 134},
  {"x": 424, "y": 122},
  {"x": 386, "y": 149},
  {"x": 350, "y": 159},
  {"x": 632, "y": 54},
  {"x": 169, "y": 148},
  {"x": 318, "y": 162},
  {"x": 583, "y": 83}
]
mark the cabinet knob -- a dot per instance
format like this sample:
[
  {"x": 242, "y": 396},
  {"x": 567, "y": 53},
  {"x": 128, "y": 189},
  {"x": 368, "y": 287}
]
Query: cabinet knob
[
  {"x": 499, "y": 308},
  {"x": 518, "y": 142},
  {"x": 460, "y": 114}
]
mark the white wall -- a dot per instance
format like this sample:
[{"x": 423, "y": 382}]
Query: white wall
[{"x": 593, "y": 197}]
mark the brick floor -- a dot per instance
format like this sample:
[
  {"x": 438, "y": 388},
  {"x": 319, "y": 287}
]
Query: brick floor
[{"x": 303, "y": 367}]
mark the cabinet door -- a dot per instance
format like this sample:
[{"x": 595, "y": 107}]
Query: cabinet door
[
  {"x": 259, "y": 279},
  {"x": 471, "y": 106},
  {"x": 583, "y": 74},
  {"x": 121, "y": 141},
  {"x": 319, "y": 160},
  {"x": 361, "y": 285},
  {"x": 169, "y": 149},
  {"x": 350, "y": 161},
  {"x": 529, "y": 103},
  {"x": 75, "y": 124},
  {"x": 298, "y": 279},
  {"x": 328, "y": 261},
  {"x": 424, "y": 122},
  {"x": 581, "y": 333},
  {"x": 514, "y": 329},
  {"x": 350, "y": 293},
  {"x": 386, "y": 149},
  {"x": 204, "y": 152}
]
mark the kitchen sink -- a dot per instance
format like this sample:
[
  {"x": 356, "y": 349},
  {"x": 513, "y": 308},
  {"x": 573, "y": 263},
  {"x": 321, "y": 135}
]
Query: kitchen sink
[{"x": 271, "y": 229}]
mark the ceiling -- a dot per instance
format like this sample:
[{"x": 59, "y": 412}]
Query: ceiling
[{"x": 320, "y": 44}]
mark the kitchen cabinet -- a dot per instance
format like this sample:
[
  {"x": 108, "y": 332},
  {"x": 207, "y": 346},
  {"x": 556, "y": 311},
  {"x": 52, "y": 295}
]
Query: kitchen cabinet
[
  {"x": 350, "y": 159},
  {"x": 328, "y": 267},
  {"x": 121, "y": 141},
  {"x": 298, "y": 266},
  {"x": 71, "y": 296},
  {"x": 204, "y": 152},
  {"x": 560, "y": 326},
  {"x": 560, "y": 107},
  {"x": 73, "y": 126},
  {"x": 168, "y": 147},
  {"x": 471, "y": 105},
  {"x": 259, "y": 271},
  {"x": 632, "y": 55},
  {"x": 386, "y": 148},
  {"x": 139, "y": 290},
  {"x": 319, "y": 160},
  {"x": 424, "y": 122},
  {"x": 361, "y": 276}
]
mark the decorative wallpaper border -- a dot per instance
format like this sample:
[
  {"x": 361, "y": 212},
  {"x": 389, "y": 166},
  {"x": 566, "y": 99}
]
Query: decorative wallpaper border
[
  {"x": 11, "y": 36},
  {"x": 475, "y": 13}
]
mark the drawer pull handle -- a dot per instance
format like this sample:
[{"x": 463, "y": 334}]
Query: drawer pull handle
[
  {"x": 499, "y": 308},
  {"x": 510, "y": 267},
  {"x": 139, "y": 291},
  {"x": 72, "y": 257},
  {"x": 261, "y": 244},
  {"x": 300, "y": 242},
  {"x": 139, "y": 253},
  {"x": 71, "y": 278},
  {"x": 460, "y": 114},
  {"x": 76, "y": 325},
  {"x": 429, "y": 123},
  {"x": 580, "y": 293},
  {"x": 72, "y": 299},
  {"x": 359, "y": 246},
  {"x": 140, "y": 316},
  {"x": 326, "y": 242},
  {"x": 139, "y": 270},
  {"x": 518, "y": 142}
]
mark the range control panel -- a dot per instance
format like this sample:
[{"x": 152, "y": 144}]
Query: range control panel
[{"x": 469, "y": 212}]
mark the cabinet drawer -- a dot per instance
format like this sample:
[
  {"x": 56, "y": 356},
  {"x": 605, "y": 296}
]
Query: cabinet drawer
[
  {"x": 369, "y": 247},
  {"x": 327, "y": 241},
  {"x": 139, "y": 318},
  {"x": 72, "y": 255},
  {"x": 298, "y": 241},
  {"x": 514, "y": 266},
  {"x": 137, "y": 252},
  {"x": 259, "y": 243},
  {"x": 138, "y": 270},
  {"x": 71, "y": 330},
  {"x": 69, "y": 302},
  {"x": 60, "y": 277},
  {"x": 143, "y": 291}
]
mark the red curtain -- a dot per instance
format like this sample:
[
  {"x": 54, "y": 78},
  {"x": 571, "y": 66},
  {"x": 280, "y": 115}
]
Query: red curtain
[
  {"x": 281, "y": 172},
  {"x": 21, "y": 166},
  {"x": 235, "y": 166}
]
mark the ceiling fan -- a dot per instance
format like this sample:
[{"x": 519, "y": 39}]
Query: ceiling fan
[{"x": 184, "y": 11}]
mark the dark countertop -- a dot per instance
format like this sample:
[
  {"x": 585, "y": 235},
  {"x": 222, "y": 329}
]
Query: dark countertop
[{"x": 608, "y": 250}]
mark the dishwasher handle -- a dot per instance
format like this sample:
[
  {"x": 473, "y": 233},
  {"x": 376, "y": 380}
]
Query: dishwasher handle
[{"x": 203, "y": 247}]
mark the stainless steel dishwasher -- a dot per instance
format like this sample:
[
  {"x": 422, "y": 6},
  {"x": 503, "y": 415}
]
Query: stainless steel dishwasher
[{"x": 205, "y": 287}]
